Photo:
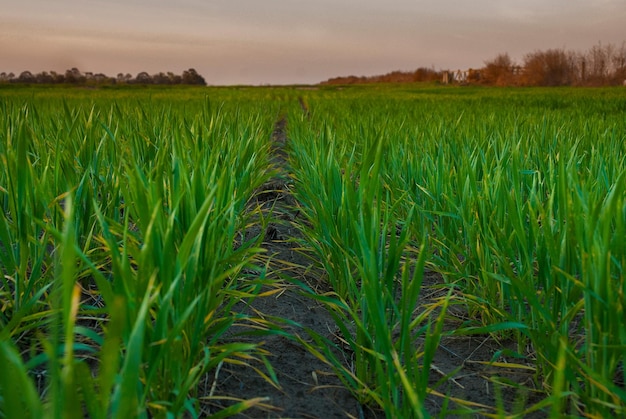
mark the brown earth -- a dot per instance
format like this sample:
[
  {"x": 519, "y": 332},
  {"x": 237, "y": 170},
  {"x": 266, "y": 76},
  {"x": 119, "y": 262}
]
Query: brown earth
[{"x": 307, "y": 386}]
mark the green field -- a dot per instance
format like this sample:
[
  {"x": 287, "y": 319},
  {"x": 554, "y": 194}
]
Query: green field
[{"x": 133, "y": 226}]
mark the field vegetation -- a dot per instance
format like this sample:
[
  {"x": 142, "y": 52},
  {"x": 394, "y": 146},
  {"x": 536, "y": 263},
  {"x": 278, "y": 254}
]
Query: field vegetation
[{"x": 131, "y": 231}]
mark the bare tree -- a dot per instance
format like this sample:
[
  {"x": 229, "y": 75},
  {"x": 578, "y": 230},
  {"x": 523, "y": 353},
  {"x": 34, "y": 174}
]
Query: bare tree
[
  {"x": 619, "y": 65},
  {"x": 598, "y": 64},
  {"x": 553, "y": 67},
  {"x": 499, "y": 71}
]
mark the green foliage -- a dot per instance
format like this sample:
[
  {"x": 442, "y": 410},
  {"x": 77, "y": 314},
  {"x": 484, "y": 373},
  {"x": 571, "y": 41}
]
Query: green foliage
[
  {"x": 520, "y": 196},
  {"x": 353, "y": 228},
  {"x": 123, "y": 246},
  {"x": 124, "y": 216}
]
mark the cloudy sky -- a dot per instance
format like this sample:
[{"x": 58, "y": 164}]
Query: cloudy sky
[{"x": 292, "y": 41}]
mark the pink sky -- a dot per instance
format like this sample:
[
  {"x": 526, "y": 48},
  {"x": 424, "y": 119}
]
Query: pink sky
[{"x": 292, "y": 41}]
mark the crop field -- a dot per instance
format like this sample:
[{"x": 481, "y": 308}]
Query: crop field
[{"x": 398, "y": 251}]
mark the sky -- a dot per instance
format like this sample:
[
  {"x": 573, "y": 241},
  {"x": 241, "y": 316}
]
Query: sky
[{"x": 293, "y": 41}]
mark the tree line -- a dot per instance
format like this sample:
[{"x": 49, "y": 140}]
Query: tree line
[
  {"x": 600, "y": 65},
  {"x": 75, "y": 77},
  {"x": 422, "y": 74}
]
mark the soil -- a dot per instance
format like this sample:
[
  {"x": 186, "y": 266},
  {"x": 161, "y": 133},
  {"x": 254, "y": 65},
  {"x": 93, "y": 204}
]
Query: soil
[{"x": 308, "y": 387}]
